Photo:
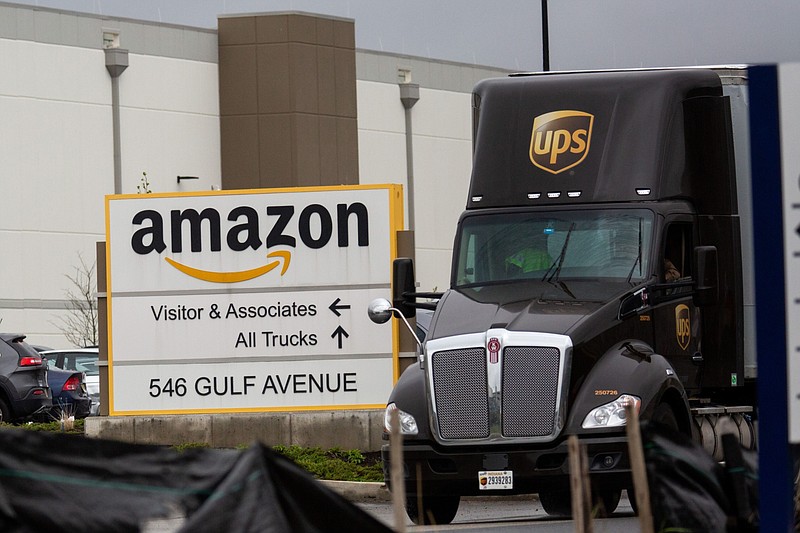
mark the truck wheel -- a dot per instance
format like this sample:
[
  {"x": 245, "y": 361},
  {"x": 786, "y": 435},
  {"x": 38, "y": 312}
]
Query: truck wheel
[
  {"x": 632, "y": 500},
  {"x": 559, "y": 502},
  {"x": 665, "y": 416},
  {"x": 609, "y": 499},
  {"x": 5, "y": 412},
  {"x": 556, "y": 502},
  {"x": 435, "y": 509}
]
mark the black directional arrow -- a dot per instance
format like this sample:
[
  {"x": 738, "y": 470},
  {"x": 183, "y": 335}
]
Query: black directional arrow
[
  {"x": 341, "y": 333},
  {"x": 334, "y": 307}
]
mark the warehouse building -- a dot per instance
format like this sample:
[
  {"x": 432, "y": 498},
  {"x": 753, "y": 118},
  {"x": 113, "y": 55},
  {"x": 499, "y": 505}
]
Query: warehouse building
[{"x": 95, "y": 105}]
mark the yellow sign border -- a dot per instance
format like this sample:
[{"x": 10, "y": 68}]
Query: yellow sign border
[{"x": 396, "y": 223}]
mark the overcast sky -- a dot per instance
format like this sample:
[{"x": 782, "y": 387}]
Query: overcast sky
[{"x": 584, "y": 34}]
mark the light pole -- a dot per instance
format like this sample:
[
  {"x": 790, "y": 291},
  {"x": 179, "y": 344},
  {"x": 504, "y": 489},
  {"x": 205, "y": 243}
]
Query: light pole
[
  {"x": 409, "y": 95},
  {"x": 116, "y": 63},
  {"x": 545, "y": 38}
]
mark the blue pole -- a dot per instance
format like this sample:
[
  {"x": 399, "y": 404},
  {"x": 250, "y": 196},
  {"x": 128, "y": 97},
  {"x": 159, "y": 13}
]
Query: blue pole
[{"x": 775, "y": 463}]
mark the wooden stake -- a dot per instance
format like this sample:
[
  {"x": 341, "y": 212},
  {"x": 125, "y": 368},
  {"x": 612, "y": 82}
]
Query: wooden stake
[
  {"x": 398, "y": 482},
  {"x": 638, "y": 470},
  {"x": 580, "y": 486}
]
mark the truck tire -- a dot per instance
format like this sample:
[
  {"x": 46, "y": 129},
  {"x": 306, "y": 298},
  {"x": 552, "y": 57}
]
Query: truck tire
[
  {"x": 559, "y": 502},
  {"x": 435, "y": 509},
  {"x": 665, "y": 416},
  {"x": 609, "y": 499},
  {"x": 556, "y": 502},
  {"x": 632, "y": 500}
]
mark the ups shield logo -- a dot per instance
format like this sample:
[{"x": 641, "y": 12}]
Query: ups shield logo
[
  {"x": 560, "y": 140},
  {"x": 683, "y": 326}
]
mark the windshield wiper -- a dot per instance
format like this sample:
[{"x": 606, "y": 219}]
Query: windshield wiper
[
  {"x": 560, "y": 261},
  {"x": 564, "y": 288},
  {"x": 638, "y": 256}
]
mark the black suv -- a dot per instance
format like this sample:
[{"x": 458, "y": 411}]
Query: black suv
[{"x": 23, "y": 379}]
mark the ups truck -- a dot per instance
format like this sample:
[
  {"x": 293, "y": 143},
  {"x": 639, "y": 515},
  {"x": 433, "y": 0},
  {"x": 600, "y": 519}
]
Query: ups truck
[{"x": 604, "y": 259}]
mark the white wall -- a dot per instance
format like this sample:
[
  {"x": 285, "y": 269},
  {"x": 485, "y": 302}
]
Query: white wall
[
  {"x": 57, "y": 151},
  {"x": 55, "y": 122},
  {"x": 442, "y": 126},
  {"x": 442, "y": 150},
  {"x": 169, "y": 121},
  {"x": 381, "y": 134}
]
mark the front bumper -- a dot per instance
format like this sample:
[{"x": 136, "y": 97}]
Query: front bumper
[
  {"x": 95, "y": 410},
  {"x": 455, "y": 469},
  {"x": 32, "y": 403},
  {"x": 76, "y": 405},
  {"x": 82, "y": 407}
]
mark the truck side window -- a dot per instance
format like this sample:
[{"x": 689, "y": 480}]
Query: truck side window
[
  {"x": 467, "y": 275},
  {"x": 677, "y": 252}
]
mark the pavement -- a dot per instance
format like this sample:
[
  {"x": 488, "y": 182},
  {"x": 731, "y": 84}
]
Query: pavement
[
  {"x": 365, "y": 492},
  {"x": 356, "y": 491}
]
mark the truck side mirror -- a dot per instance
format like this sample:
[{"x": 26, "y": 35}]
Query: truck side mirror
[
  {"x": 633, "y": 303},
  {"x": 706, "y": 276},
  {"x": 403, "y": 283},
  {"x": 380, "y": 311}
]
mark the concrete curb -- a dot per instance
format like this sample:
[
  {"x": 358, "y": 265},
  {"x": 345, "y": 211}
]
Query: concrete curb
[
  {"x": 357, "y": 491},
  {"x": 347, "y": 429}
]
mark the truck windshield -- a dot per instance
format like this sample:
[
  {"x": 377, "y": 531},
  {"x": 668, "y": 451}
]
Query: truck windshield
[{"x": 557, "y": 245}]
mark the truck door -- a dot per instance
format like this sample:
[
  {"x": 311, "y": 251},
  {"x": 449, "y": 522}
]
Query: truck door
[{"x": 677, "y": 320}]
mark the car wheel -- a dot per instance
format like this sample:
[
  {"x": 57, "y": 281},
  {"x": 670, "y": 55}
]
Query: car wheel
[
  {"x": 556, "y": 502},
  {"x": 5, "y": 412},
  {"x": 435, "y": 509}
]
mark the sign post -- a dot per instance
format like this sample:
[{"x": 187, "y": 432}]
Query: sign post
[
  {"x": 775, "y": 134},
  {"x": 234, "y": 301}
]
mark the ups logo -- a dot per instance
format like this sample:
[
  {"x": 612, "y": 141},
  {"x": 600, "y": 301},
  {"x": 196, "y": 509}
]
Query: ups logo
[
  {"x": 683, "y": 326},
  {"x": 560, "y": 140}
]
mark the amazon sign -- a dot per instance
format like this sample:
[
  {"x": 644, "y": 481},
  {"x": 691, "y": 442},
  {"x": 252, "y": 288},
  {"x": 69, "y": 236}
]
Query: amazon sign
[{"x": 249, "y": 300}]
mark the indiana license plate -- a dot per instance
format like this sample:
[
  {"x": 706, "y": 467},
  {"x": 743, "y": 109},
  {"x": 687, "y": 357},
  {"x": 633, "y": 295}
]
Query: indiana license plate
[{"x": 495, "y": 479}]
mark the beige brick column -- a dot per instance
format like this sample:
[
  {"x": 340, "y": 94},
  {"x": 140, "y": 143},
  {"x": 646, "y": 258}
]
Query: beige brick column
[{"x": 287, "y": 89}]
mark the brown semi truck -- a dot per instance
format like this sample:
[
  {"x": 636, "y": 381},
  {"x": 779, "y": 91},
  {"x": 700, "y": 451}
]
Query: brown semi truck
[{"x": 604, "y": 259}]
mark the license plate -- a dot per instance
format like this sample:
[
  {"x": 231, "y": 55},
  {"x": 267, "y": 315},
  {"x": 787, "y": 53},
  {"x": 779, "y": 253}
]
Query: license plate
[{"x": 495, "y": 479}]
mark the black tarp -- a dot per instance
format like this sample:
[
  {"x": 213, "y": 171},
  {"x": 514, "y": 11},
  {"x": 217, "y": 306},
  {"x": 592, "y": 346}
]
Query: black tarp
[
  {"x": 58, "y": 482},
  {"x": 691, "y": 492}
]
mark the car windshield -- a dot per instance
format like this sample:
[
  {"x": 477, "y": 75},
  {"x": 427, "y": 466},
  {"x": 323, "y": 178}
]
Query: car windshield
[
  {"x": 80, "y": 362},
  {"x": 86, "y": 364},
  {"x": 612, "y": 244}
]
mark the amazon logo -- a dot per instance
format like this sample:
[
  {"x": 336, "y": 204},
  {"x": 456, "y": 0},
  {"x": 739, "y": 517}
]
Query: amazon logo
[{"x": 240, "y": 230}]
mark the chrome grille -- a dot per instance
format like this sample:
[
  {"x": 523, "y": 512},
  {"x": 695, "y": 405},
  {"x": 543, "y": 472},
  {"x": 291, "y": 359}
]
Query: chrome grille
[
  {"x": 459, "y": 382},
  {"x": 530, "y": 390}
]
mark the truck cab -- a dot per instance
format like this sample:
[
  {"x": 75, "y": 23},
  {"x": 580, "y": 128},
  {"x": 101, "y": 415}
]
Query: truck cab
[{"x": 601, "y": 262}]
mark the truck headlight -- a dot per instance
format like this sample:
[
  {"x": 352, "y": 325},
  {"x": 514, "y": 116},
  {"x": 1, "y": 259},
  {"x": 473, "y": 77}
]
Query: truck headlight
[
  {"x": 408, "y": 425},
  {"x": 612, "y": 414}
]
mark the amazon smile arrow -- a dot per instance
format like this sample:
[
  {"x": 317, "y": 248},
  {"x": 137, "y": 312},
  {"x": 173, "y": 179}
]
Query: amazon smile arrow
[{"x": 235, "y": 277}]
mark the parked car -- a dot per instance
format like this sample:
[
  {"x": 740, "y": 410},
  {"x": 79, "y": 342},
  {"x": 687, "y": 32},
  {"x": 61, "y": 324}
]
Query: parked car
[
  {"x": 79, "y": 360},
  {"x": 23, "y": 380},
  {"x": 70, "y": 394}
]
